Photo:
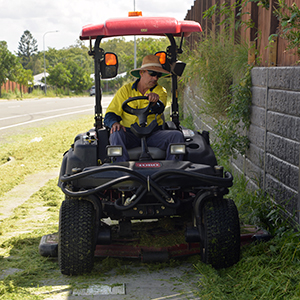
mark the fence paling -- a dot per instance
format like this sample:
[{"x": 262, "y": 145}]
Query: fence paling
[
  {"x": 265, "y": 24},
  {"x": 12, "y": 86}
]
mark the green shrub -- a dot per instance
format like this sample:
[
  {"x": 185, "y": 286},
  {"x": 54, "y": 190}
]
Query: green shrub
[{"x": 215, "y": 65}]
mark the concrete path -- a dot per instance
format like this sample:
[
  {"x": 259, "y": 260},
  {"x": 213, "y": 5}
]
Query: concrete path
[{"x": 22, "y": 192}]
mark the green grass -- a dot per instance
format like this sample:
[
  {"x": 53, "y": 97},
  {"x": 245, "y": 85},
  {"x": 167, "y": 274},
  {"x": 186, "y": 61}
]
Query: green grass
[
  {"x": 31, "y": 156},
  {"x": 20, "y": 234},
  {"x": 214, "y": 65},
  {"x": 267, "y": 270},
  {"x": 19, "y": 240},
  {"x": 16, "y": 95}
]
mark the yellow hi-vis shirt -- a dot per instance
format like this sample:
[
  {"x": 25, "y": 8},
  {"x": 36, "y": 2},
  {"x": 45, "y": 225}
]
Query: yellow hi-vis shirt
[{"x": 129, "y": 90}]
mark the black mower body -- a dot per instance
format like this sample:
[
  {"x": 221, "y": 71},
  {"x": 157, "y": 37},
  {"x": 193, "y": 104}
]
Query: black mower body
[{"x": 82, "y": 170}]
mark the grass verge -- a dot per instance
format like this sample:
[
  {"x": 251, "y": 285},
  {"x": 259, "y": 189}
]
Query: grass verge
[
  {"x": 16, "y": 95},
  {"x": 266, "y": 271},
  {"x": 41, "y": 148}
]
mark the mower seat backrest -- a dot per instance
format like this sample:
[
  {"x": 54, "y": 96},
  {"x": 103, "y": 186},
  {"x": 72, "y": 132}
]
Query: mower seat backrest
[{"x": 156, "y": 153}]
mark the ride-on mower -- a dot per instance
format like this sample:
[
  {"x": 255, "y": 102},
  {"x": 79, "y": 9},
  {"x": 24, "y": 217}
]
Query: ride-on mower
[{"x": 110, "y": 206}]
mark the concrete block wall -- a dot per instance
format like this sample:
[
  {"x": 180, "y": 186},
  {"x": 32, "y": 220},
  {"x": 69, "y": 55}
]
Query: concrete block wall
[
  {"x": 273, "y": 160},
  {"x": 192, "y": 106}
]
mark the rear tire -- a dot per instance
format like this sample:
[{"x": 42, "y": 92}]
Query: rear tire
[
  {"x": 76, "y": 244},
  {"x": 220, "y": 233}
]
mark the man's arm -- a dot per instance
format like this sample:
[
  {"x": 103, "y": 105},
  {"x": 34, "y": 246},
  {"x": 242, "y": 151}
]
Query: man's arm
[{"x": 112, "y": 121}]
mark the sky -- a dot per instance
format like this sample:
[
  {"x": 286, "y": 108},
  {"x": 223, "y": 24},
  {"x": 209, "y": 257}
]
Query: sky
[{"x": 69, "y": 16}]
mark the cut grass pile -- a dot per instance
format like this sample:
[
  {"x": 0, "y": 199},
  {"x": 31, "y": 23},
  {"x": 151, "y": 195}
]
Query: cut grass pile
[{"x": 266, "y": 271}]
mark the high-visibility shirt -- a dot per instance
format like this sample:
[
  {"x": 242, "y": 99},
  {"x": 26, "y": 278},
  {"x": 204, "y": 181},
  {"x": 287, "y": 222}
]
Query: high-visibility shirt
[{"x": 115, "y": 113}]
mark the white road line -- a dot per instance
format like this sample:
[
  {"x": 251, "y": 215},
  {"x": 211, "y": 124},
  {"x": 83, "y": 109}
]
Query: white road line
[
  {"x": 43, "y": 112},
  {"x": 46, "y": 118},
  {"x": 15, "y": 106}
]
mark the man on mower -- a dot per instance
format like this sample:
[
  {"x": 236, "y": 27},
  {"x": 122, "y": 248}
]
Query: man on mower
[{"x": 119, "y": 121}]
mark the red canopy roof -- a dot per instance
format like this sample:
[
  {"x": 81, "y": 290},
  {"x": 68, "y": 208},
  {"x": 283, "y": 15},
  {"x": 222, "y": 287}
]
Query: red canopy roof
[{"x": 140, "y": 26}]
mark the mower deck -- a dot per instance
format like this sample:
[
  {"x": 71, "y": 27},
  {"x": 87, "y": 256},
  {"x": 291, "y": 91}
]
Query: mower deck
[{"x": 131, "y": 248}]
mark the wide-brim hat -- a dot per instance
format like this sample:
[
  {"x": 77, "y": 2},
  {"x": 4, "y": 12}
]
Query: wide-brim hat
[{"x": 150, "y": 62}]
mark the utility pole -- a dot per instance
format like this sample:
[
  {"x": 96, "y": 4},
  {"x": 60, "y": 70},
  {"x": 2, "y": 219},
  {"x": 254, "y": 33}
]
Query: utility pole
[{"x": 45, "y": 60}]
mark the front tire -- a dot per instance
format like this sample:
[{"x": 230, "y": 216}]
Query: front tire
[
  {"x": 76, "y": 243},
  {"x": 220, "y": 233}
]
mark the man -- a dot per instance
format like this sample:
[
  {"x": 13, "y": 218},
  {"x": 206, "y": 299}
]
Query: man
[{"x": 119, "y": 122}]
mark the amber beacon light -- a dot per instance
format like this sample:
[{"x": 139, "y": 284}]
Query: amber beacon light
[{"x": 135, "y": 14}]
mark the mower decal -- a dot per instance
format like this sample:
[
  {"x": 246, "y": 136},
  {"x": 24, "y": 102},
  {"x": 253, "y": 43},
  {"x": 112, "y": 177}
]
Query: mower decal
[{"x": 148, "y": 165}]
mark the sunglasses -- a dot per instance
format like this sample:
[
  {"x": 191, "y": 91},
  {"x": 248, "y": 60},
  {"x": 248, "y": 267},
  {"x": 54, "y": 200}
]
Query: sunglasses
[{"x": 153, "y": 73}]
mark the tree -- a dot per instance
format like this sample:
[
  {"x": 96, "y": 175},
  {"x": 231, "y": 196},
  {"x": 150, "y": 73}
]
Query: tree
[
  {"x": 76, "y": 60},
  {"x": 53, "y": 57},
  {"x": 59, "y": 76},
  {"x": 147, "y": 46},
  {"x": 124, "y": 49},
  {"x": 8, "y": 63},
  {"x": 23, "y": 77},
  {"x": 27, "y": 48},
  {"x": 289, "y": 18},
  {"x": 36, "y": 64},
  {"x": 80, "y": 80}
]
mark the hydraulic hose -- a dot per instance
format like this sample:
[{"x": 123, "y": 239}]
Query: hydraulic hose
[
  {"x": 118, "y": 205},
  {"x": 149, "y": 183},
  {"x": 98, "y": 170},
  {"x": 98, "y": 188},
  {"x": 157, "y": 191}
]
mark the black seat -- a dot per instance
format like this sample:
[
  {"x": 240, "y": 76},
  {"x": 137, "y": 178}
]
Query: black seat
[{"x": 156, "y": 153}]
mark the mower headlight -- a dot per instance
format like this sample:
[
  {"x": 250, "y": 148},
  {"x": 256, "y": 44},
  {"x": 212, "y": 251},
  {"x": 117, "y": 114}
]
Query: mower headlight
[
  {"x": 114, "y": 151},
  {"x": 177, "y": 149}
]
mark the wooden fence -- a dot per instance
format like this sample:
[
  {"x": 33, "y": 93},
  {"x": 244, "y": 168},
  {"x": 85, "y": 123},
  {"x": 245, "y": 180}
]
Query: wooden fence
[
  {"x": 12, "y": 86},
  {"x": 265, "y": 24}
]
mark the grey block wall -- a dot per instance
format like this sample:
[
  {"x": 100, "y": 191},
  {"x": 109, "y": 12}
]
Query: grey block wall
[
  {"x": 273, "y": 159},
  {"x": 192, "y": 104}
]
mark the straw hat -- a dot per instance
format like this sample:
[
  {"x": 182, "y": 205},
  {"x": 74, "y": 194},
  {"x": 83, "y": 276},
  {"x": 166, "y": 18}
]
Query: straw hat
[{"x": 150, "y": 62}]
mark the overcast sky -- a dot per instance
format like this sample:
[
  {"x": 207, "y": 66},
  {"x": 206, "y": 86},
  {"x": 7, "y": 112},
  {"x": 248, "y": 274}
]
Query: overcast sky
[{"x": 68, "y": 17}]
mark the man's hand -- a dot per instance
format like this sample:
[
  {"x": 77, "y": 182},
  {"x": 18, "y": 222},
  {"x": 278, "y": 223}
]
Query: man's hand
[
  {"x": 152, "y": 97},
  {"x": 116, "y": 127}
]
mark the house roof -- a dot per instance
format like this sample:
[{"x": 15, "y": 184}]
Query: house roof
[{"x": 37, "y": 79}]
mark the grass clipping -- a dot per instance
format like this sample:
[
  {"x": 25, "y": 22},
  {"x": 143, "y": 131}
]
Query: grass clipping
[{"x": 164, "y": 232}]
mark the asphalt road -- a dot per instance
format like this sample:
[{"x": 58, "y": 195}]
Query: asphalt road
[{"x": 18, "y": 114}]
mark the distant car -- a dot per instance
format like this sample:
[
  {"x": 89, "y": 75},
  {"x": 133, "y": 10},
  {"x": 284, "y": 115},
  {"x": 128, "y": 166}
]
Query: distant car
[{"x": 92, "y": 91}]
